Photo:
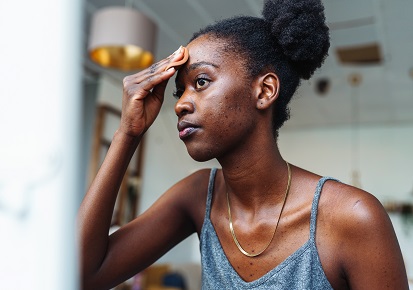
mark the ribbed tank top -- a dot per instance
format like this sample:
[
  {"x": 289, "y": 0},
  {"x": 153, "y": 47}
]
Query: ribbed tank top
[{"x": 302, "y": 270}]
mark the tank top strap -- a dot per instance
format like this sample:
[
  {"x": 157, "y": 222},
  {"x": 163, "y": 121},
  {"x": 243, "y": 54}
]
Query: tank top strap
[
  {"x": 210, "y": 192},
  {"x": 314, "y": 207}
]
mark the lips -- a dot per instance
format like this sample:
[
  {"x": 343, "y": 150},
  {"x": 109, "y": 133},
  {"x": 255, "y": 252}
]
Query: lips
[{"x": 186, "y": 129}]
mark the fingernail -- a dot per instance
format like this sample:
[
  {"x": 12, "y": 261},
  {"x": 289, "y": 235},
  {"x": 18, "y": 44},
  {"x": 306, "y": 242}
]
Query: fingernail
[{"x": 178, "y": 50}]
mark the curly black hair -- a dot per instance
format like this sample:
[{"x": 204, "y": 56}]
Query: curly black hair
[{"x": 291, "y": 40}]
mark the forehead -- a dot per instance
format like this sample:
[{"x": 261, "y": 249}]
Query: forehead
[{"x": 208, "y": 48}]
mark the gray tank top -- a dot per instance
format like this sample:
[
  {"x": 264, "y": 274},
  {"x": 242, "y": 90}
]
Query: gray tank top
[{"x": 301, "y": 270}]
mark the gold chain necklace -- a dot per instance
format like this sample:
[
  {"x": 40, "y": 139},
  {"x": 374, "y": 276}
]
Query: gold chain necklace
[{"x": 231, "y": 227}]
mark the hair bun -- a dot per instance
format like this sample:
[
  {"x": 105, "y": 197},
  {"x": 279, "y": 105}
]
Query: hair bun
[{"x": 300, "y": 29}]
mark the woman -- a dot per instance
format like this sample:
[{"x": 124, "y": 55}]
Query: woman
[{"x": 262, "y": 223}]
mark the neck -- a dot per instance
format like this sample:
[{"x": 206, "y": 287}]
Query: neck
[{"x": 255, "y": 176}]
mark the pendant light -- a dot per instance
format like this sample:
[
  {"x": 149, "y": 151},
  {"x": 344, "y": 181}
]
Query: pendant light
[{"x": 122, "y": 38}]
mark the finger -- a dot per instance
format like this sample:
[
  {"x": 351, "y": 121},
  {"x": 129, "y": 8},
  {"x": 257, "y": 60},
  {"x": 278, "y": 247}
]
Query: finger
[
  {"x": 179, "y": 61},
  {"x": 140, "y": 76},
  {"x": 179, "y": 57},
  {"x": 158, "y": 67},
  {"x": 151, "y": 82}
]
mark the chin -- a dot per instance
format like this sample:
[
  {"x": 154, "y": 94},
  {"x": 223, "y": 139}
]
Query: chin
[{"x": 200, "y": 155}]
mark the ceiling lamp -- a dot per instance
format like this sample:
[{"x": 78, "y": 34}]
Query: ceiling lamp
[{"x": 122, "y": 38}]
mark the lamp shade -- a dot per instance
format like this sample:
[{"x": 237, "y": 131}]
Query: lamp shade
[{"x": 122, "y": 38}]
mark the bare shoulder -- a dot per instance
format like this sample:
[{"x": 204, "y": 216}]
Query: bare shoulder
[
  {"x": 192, "y": 186},
  {"x": 361, "y": 237},
  {"x": 354, "y": 208},
  {"x": 356, "y": 216},
  {"x": 190, "y": 195}
]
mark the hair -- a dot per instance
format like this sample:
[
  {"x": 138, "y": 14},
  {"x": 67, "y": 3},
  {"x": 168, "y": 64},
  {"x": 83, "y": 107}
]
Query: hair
[{"x": 291, "y": 39}]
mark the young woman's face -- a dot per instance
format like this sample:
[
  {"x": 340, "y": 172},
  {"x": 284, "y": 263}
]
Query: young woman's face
[{"x": 214, "y": 108}]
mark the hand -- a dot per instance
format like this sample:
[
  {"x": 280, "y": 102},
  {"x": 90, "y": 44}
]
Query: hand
[{"x": 143, "y": 95}]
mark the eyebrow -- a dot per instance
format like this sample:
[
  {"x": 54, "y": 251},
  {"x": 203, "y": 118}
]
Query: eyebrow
[
  {"x": 195, "y": 66},
  {"x": 200, "y": 64}
]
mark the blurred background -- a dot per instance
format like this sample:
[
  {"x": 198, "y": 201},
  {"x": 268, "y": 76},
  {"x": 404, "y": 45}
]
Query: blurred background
[{"x": 61, "y": 87}]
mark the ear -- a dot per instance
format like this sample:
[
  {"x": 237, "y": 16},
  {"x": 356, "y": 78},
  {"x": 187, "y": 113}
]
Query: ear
[{"x": 267, "y": 90}]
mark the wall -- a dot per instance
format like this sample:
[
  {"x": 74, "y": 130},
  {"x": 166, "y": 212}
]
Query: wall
[
  {"x": 385, "y": 159},
  {"x": 385, "y": 156}
]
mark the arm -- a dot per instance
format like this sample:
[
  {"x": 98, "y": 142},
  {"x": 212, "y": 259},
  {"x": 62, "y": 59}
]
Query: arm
[
  {"x": 371, "y": 255},
  {"x": 106, "y": 261}
]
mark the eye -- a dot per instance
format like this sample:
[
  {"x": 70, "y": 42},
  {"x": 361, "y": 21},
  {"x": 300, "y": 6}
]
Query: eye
[
  {"x": 178, "y": 93},
  {"x": 201, "y": 83}
]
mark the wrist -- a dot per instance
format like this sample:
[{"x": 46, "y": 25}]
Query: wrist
[{"x": 127, "y": 139}]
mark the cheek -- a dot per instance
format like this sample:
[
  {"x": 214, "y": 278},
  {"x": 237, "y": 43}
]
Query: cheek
[
  {"x": 226, "y": 127},
  {"x": 232, "y": 119}
]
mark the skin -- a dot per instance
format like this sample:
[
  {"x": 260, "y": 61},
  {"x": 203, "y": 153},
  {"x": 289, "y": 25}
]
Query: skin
[{"x": 357, "y": 246}]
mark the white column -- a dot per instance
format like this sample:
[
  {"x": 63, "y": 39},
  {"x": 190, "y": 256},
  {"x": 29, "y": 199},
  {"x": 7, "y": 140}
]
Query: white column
[{"x": 39, "y": 143}]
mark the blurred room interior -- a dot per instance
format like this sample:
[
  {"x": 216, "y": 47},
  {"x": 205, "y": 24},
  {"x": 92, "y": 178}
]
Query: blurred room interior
[{"x": 355, "y": 115}]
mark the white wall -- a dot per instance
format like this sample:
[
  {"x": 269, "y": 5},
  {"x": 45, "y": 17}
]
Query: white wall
[
  {"x": 39, "y": 148},
  {"x": 385, "y": 153},
  {"x": 385, "y": 165}
]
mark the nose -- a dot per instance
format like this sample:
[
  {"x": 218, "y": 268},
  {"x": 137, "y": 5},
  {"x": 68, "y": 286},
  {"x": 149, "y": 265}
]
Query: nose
[{"x": 184, "y": 105}]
